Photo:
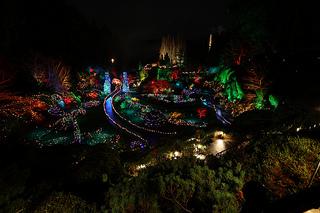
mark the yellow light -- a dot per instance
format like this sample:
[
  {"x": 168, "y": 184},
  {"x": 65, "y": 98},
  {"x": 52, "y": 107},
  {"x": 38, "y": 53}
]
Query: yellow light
[
  {"x": 112, "y": 60},
  {"x": 312, "y": 211},
  {"x": 142, "y": 166},
  {"x": 210, "y": 41},
  {"x": 200, "y": 156},
  {"x": 219, "y": 134},
  {"x": 217, "y": 146}
]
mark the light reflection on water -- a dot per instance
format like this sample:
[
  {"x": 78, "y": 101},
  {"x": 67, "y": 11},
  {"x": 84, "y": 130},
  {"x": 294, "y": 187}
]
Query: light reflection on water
[{"x": 217, "y": 146}]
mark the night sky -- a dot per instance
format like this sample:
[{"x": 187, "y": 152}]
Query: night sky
[
  {"x": 140, "y": 24},
  {"x": 138, "y": 19},
  {"x": 132, "y": 30}
]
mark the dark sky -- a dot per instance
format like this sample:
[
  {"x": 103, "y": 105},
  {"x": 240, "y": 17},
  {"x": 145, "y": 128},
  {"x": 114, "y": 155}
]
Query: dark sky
[
  {"x": 141, "y": 23},
  {"x": 54, "y": 28},
  {"x": 141, "y": 17}
]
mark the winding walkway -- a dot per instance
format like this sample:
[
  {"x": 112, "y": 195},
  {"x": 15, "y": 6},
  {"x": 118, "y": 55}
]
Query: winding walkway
[
  {"x": 125, "y": 124},
  {"x": 109, "y": 109},
  {"x": 141, "y": 127}
]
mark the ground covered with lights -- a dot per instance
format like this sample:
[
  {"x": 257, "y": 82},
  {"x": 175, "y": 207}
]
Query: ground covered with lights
[
  {"x": 204, "y": 136},
  {"x": 225, "y": 135}
]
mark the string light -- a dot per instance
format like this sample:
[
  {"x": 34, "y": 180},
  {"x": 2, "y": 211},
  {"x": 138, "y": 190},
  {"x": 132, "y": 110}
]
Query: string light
[
  {"x": 112, "y": 95},
  {"x": 133, "y": 124}
]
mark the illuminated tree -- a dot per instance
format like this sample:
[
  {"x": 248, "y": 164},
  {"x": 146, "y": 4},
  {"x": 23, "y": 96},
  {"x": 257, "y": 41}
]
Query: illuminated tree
[
  {"x": 51, "y": 73},
  {"x": 173, "y": 48},
  {"x": 125, "y": 83},
  {"x": 256, "y": 86},
  {"x": 232, "y": 89},
  {"x": 143, "y": 74},
  {"x": 107, "y": 84},
  {"x": 254, "y": 79},
  {"x": 273, "y": 101},
  {"x": 259, "y": 101},
  {"x": 59, "y": 76},
  {"x": 224, "y": 76}
]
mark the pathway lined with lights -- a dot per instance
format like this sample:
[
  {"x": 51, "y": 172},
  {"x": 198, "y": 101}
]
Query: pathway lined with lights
[
  {"x": 135, "y": 125},
  {"x": 108, "y": 107}
]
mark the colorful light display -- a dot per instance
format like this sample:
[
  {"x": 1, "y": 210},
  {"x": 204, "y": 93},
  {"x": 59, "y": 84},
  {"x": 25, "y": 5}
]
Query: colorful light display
[
  {"x": 108, "y": 106},
  {"x": 27, "y": 109},
  {"x": 145, "y": 115},
  {"x": 143, "y": 74},
  {"x": 67, "y": 119},
  {"x": 169, "y": 84},
  {"x": 51, "y": 73},
  {"x": 135, "y": 125},
  {"x": 234, "y": 91},
  {"x": 163, "y": 74},
  {"x": 173, "y": 48},
  {"x": 91, "y": 104},
  {"x": 273, "y": 101},
  {"x": 175, "y": 75},
  {"x": 224, "y": 76},
  {"x": 202, "y": 112},
  {"x": 214, "y": 70},
  {"x": 93, "y": 95},
  {"x": 259, "y": 101},
  {"x": 176, "y": 119},
  {"x": 107, "y": 84},
  {"x": 125, "y": 82}
]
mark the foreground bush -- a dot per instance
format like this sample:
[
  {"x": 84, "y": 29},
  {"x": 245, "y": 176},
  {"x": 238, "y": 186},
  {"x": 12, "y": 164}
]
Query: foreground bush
[
  {"x": 179, "y": 186},
  {"x": 284, "y": 164},
  {"x": 291, "y": 165},
  {"x": 65, "y": 202}
]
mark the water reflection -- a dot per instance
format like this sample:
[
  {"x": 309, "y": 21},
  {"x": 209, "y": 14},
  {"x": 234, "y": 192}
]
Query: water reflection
[
  {"x": 218, "y": 145},
  {"x": 220, "y": 142}
]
